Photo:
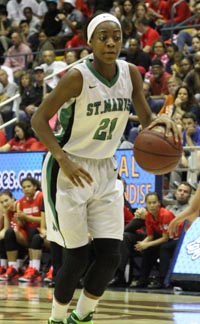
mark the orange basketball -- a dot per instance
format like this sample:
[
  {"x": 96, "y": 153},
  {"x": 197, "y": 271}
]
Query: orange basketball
[{"x": 156, "y": 153}]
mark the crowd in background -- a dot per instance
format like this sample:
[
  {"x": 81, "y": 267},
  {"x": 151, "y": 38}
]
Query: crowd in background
[{"x": 38, "y": 38}]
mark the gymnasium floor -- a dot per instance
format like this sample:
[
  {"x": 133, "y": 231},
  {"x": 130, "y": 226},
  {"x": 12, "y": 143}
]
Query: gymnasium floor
[{"x": 31, "y": 303}]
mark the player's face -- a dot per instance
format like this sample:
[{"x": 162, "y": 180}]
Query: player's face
[{"x": 106, "y": 42}]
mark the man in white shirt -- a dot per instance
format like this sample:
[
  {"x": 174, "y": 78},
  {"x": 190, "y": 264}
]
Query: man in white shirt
[
  {"x": 15, "y": 9},
  {"x": 50, "y": 66}
]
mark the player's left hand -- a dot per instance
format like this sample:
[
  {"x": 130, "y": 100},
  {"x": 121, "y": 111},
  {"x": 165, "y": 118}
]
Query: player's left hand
[{"x": 170, "y": 126}]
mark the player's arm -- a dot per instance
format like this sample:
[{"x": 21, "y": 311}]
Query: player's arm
[
  {"x": 190, "y": 213},
  {"x": 68, "y": 87},
  {"x": 146, "y": 117}
]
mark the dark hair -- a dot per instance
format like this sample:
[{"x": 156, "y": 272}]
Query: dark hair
[
  {"x": 191, "y": 98},
  {"x": 34, "y": 182},
  {"x": 7, "y": 193},
  {"x": 185, "y": 183},
  {"x": 156, "y": 62},
  {"x": 28, "y": 132},
  {"x": 189, "y": 114},
  {"x": 153, "y": 193}
]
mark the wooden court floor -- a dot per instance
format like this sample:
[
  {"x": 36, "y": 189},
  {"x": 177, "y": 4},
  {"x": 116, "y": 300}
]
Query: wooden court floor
[{"x": 29, "y": 304}]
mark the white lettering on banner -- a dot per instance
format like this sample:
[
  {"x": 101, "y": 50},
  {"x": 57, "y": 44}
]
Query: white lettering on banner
[
  {"x": 11, "y": 180},
  {"x": 194, "y": 248}
]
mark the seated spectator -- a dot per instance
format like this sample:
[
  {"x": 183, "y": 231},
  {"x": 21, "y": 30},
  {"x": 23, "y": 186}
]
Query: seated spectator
[
  {"x": 78, "y": 39},
  {"x": 159, "y": 52},
  {"x": 51, "y": 65},
  {"x": 44, "y": 44},
  {"x": 157, "y": 220},
  {"x": 28, "y": 213},
  {"x": 128, "y": 31},
  {"x": 191, "y": 137},
  {"x": 134, "y": 231},
  {"x": 184, "y": 101},
  {"x": 29, "y": 35},
  {"x": 14, "y": 240},
  {"x": 176, "y": 67},
  {"x": 3, "y": 139},
  {"x": 84, "y": 52},
  {"x": 51, "y": 26},
  {"x": 142, "y": 11},
  {"x": 149, "y": 34},
  {"x": 7, "y": 90},
  {"x": 69, "y": 17},
  {"x": 172, "y": 84},
  {"x": 192, "y": 78},
  {"x": 157, "y": 9},
  {"x": 32, "y": 93},
  {"x": 18, "y": 63},
  {"x": 22, "y": 140},
  {"x": 171, "y": 50},
  {"x": 15, "y": 10},
  {"x": 5, "y": 29},
  {"x": 128, "y": 11},
  {"x": 34, "y": 22},
  {"x": 186, "y": 65},
  {"x": 135, "y": 54},
  {"x": 182, "y": 195},
  {"x": 159, "y": 79}
]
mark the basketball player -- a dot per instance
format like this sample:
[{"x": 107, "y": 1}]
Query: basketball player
[
  {"x": 80, "y": 185},
  {"x": 190, "y": 213}
]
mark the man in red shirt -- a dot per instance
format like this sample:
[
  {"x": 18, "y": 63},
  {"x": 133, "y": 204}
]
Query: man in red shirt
[
  {"x": 149, "y": 35},
  {"x": 157, "y": 220},
  {"x": 159, "y": 79}
]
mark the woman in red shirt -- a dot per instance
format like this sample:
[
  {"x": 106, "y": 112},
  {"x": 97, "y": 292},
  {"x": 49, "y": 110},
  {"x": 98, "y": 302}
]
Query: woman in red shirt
[
  {"x": 22, "y": 140},
  {"x": 157, "y": 222}
]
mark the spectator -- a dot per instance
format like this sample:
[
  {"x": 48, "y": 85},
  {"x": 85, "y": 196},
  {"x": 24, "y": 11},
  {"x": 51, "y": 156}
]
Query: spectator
[
  {"x": 44, "y": 44},
  {"x": 15, "y": 9},
  {"x": 149, "y": 35},
  {"x": 142, "y": 11},
  {"x": 70, "y": 17},
  {"x": 176, "y": 67},
  {"x": 171, "y": 51},
  {"x": 183, "y": 194},
  {"x": 18, "y": 56},
  {"x": 51, "y": 26},
  {"x": 134, "y": 232},
  {"x": 168, "y": 106},
  {"x": 157, "y": 221},
  {"x": 84, "y": 52},
  {"x": 32, "y": 93},
  {"x": 29, "y": 35},
  {"x": 129, "y": 31},
  {"x": 3, "y": 139},
  {"x": 159, "y": 79},
  {"x": 159, "y": 52},
  {"x": 7, "y": 90},
  {"x": 158, "y": 10},
  {"x": 193, "y": 76},
  {"x": 128, "y": 11},
  {"x": 136, "y": 55},
  {"x": 191, "y": 137},
  {"x": 22, "y": 140},
  {"x": 78, "y": 40},
  {"x": 14, "y": 239},
  {"x": 186, "y": 65},
  {"x": 34, "y": 22},
  {"x": 28, "y": 212},
  {"x": 184, "y": 101},
  {"x": 50, "y": 66},
  {"x": 5, "y": 29}
]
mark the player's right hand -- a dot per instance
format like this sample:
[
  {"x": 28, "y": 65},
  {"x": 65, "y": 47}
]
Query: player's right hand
[{"x": 75, "y": 173}]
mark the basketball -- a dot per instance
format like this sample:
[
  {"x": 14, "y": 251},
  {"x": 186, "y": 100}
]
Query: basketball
[{"x": 156, "y": 153}]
